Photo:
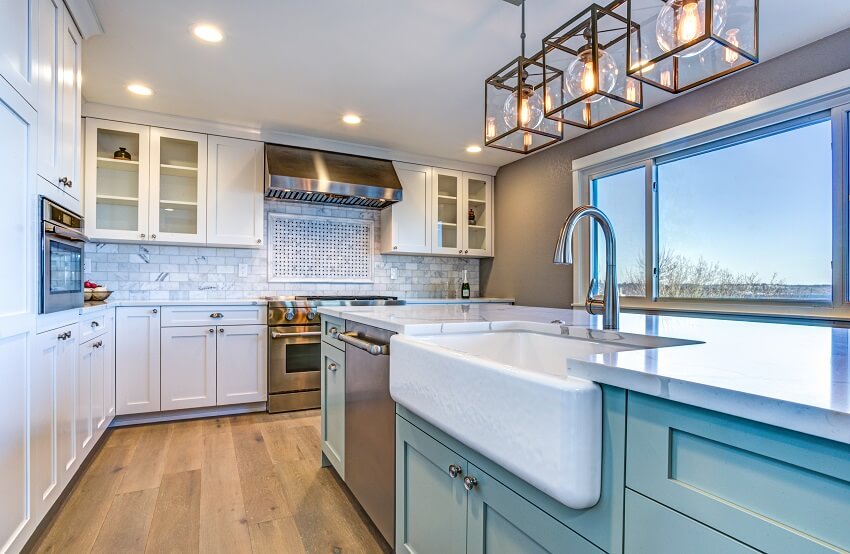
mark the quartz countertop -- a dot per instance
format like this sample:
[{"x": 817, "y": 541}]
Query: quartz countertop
[{"x": 792, "y": 376}]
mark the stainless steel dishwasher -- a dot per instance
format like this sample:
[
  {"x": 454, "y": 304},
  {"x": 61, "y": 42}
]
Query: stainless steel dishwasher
[{"x": 370, "y": 424}]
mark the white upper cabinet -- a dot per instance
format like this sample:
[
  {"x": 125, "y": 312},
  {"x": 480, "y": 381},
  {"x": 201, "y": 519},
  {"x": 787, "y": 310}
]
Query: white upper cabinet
[
  {"x": 406, "y": 225},
  {"x": 443, "y": 212},
  {"x": 59, "y": 104},
  {"x": 235, "y": 192},
  {"x": 18, "y": 46},
  {"x": 117, "y": 189},
  {"x": 178, "y": 186},
  {"x": 477, "y": 215}
]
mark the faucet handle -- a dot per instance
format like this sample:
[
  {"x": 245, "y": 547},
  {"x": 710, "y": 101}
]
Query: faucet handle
[{"x": 593, "y": 305}]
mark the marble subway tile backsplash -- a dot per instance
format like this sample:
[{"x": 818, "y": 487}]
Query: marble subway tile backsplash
[{"x": 158, "y": 272}]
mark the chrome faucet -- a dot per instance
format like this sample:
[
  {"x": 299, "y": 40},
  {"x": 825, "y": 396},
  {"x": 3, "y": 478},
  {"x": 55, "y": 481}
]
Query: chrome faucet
[{"x": 609, "y": 304}]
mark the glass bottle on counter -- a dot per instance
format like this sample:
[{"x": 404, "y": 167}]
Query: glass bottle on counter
[{"x": 464, "y": 288}]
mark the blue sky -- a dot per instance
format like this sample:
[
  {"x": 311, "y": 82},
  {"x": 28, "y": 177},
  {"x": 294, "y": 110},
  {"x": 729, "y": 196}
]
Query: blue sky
[{"x": 760, "y": 207}]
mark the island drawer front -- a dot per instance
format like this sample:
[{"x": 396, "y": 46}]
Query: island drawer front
[
  {"x": 196, "y": 316},
  {"x": 328, "y": 325},
  {"x": 651, "y": 527},
  {"x": 92, "y": 326},
  {"x": 773, "y": 489}
]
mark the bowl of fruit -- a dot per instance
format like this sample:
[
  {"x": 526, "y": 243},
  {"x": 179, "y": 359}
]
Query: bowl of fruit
[{"x": 95, "y": 292}]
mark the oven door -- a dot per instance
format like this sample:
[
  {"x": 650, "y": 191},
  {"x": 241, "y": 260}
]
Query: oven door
[
  {"x": 295, "y": 356},
  {"x": 61, "y": 269}
]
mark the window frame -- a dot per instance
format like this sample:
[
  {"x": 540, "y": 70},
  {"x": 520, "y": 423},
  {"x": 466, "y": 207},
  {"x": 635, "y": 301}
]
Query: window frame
[{"x": 834, "y": 107}]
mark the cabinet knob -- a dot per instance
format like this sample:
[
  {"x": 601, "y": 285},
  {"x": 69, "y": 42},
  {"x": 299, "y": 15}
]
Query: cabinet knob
[
  {"x": 153, "y": 237},
  {"x": 154, "y": 311},
  {"x": 221, "y": 329},
  {"x": 216, "y": 315},
  {"x": 395, "y": 247},
  {"x": 95, "y": 324},
  {"x": 333, "y": 332},
  {"x": 259, "y": 241},
  {"x": 460, "y": 251},
  {"x": 142, "y": 235},
  {"x": 212, "y": 330},
  {"x": 470, "y": 482},
  {"x": 65, "y": 182},
  {"x": 455, "y": 471},
  {"x": 466, "y": 251},
  {"x": 332, "y": 367}
]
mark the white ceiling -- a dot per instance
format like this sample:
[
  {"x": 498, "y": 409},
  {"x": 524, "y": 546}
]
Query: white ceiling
[{"x": 414, "y": 69}]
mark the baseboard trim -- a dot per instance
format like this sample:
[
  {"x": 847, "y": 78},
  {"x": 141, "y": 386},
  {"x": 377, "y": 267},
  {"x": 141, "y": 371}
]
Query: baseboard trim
[{"x": 192, "y": 413}]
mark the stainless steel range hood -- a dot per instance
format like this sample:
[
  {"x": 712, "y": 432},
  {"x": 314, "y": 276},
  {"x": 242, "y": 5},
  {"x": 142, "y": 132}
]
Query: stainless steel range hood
[{"x": 306, "y": 175}]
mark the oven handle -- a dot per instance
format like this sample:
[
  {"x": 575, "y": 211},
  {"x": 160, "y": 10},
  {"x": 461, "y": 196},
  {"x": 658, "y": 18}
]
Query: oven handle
[
  {"x": 276, "y": 335},
  {"x": 65, "y": 233},
  {"x": 372, "y": 348}
]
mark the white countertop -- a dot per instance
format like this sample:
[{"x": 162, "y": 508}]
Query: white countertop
[{"x": 792, "y": 376}]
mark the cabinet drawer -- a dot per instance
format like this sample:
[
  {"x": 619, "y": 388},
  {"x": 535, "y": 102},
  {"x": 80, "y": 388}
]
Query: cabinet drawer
[
  {"x": 773, "y": 489},
  {"x": 330, "y": 325},
  {"x": 92, "y": 326},
  {"x": 195, "y": 316},
  {"x": 650, "y": 527}
]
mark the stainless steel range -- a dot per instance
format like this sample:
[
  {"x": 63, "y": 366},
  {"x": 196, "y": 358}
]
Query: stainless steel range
[{"x": 295, "y": 344}]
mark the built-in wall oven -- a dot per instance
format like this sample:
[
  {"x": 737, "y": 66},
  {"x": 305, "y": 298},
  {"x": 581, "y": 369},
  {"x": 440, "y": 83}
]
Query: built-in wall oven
[
  {"x": 62, "y": 255},
  {"x": 295, "y": 347}
]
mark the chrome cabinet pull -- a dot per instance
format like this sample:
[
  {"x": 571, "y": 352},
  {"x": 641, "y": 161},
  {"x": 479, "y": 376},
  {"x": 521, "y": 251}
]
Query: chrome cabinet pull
[
  {"x": 333, "y": 332},
  {"x": 372, "y": 348},
  {"x": 455, "y": 471},
  {"x": 470, "y": 482},
  {"x": 216, "y": 315},
  {"x": 332, "y": 367},
  {"x": 65, "y": 182}
]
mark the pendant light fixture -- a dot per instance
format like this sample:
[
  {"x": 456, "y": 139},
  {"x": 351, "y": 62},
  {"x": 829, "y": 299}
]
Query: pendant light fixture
[
  {"x": 677, "y": 45},
  {"x": 590, "y": 51},
  {"x": 514, "y": 104}
]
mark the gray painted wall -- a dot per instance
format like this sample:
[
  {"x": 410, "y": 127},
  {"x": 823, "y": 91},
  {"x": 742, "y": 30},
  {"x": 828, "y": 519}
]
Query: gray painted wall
[{"x": 533, "y": 196}]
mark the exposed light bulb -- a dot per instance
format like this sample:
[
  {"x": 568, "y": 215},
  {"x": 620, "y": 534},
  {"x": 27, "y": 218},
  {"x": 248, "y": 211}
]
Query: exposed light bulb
[
  {"x": 524, "y": 108},
  {"x": 588, "y": 78},
  {"x": 731, "y": 56},
  {"x": 666, "y": 78},
  {"x": 689, "y": 23},
  {"x": 524, "y": 112},
  {"x": 490, "y": 129},
  {"x": 527, "y": 140},
  {"x": 581, "y": 78},
  {"x": 585, "y": 113},
  {"x": 631, "y": 91}
]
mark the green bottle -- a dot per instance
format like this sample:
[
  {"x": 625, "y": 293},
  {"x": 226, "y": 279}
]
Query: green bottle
[{"x": 464, "y": 288}]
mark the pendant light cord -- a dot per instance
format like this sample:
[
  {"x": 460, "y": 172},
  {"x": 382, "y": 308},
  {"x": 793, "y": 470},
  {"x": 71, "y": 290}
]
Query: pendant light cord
[{"x": 522, "y": 35}]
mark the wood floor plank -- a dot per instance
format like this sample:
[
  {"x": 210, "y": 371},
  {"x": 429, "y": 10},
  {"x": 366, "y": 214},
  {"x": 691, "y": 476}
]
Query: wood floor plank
[
  {"x": 146, "y": 468},
  {"x": 262, "y": 493},
  {"x": 276, "y": 536},
  {"x": 185, "y": 448},
  {"x": 78, "y": 521},
  {"x": 224, "y": 525},
  {"x": 127, "y": 523},
  {"x": 176, "y": 519},
  {"x": 286, "y": 443}
]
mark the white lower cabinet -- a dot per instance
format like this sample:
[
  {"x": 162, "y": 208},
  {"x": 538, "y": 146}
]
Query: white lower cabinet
[
  {"x": 188, "y": 367},
  {"x": 137, "y": 360},
  {"x": 242, "y": 364},
  {"x": 86, "y": 376}
]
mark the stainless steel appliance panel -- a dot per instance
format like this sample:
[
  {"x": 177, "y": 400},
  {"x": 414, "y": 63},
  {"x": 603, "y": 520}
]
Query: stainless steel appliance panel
[
  {"x": 370, "y": 425},
  {"x": 62, "y": 255},
  {"x": 294, "y": 358}
]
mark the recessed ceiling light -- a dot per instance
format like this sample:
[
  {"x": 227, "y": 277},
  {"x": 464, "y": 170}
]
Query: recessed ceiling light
[
  {"x": 141, "y": 90},
  {"x": 208, "y": 33},
  {"x": 474, "y": 149},
  {"x": 352, "y": 119}
]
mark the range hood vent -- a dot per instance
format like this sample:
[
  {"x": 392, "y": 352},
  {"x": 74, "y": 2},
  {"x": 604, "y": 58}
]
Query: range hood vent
[{"x": 305, "y": 175}]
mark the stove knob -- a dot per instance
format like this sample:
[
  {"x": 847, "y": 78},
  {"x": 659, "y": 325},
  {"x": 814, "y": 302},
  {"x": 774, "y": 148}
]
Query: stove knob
[
  {"x": 290, "y": 314},
  {"x": 311, "y": 315}
]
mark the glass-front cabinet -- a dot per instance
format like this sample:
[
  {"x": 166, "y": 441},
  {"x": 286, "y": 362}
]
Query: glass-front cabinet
[
  {"x": 145, "y": 183},
  {"x": 117, "y": 172},
  {"x": 463, "y": 213},
  {"x": 178, "y": 186}
]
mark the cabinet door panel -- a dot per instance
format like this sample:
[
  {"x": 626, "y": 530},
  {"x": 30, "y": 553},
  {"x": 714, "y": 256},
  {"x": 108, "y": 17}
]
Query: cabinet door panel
[
  {"x": 501, "y": 521},
  {"x": 188, "y": 367},
  {"x": 333, "y": 406},
  {"x": 50, "y": 41},
  {"x": 407, "y": 224},
  {"x": 178, "y": 186},
  {"x": 85, "y": 430},
  {"x": 44, "y": 419},
  {"x": 242, "y": 361},
  {"x": 448, "y": 223},
  {"x": 477, "y": 215},
  {"x": 235, "y": 192},
  {"x": 71, "y": 106},
  {"x": 98, "y": 384},
  {"x": 66, "y": 406},
  {"x": 137, "y": 360},
  {"x": 18, "y": 45},
  {"x": 109, "y": 366},
  {"x": 431, "y": 505}
]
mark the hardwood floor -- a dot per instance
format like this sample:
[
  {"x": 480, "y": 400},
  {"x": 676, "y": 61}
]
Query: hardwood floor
[{"x": 250, "y": 483}]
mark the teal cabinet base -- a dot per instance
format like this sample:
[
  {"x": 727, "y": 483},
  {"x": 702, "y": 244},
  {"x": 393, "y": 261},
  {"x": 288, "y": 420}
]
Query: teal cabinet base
[{"x": 333, "y": 407}]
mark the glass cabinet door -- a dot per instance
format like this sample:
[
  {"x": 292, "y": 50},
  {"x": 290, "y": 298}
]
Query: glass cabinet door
[
  {"x": 178, "y": 186},
  {"x": 477, "y": 214},
  {"x": 447, "y": 187},
  {"x": 116, "y": 180}
]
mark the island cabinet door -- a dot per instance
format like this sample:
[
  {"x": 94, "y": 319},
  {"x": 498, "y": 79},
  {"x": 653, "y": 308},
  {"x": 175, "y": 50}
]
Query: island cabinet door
[
  {"x": 501, "y": 521},
  {"x": 431, "y": 501},
  {"x": 333, "y": 406}
]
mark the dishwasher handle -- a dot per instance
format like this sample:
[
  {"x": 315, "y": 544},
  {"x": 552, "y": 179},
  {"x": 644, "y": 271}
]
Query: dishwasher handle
[{"x": 372, "y": 348}]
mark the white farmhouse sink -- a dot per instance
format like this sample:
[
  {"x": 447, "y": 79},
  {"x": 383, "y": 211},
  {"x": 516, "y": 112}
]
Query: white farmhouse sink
[{"x": 508, "y": 396}]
